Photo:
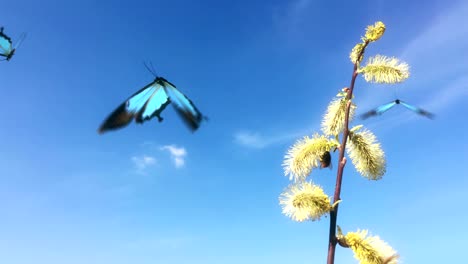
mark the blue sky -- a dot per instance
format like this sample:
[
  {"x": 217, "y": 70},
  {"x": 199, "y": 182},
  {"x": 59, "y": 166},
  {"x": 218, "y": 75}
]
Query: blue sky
[{"x": 263, "y": 72}]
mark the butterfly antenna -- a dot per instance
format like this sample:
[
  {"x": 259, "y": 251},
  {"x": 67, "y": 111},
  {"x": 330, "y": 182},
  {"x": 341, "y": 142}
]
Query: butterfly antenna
[
  {"x": 395, "y": 92},
  {"x": 152, "y": 67},
  {"x": 149, "y": 69},
  {"x": 146, "y": 66}
]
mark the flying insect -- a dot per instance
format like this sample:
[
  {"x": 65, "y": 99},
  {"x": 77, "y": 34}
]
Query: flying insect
[
  {"x": 149, "y": 102},
  {"x": 7, "y": 50},
  {"x": 385, "y": 107}
]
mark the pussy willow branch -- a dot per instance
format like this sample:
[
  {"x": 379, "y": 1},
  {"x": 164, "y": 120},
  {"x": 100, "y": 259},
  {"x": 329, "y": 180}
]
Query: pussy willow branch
[{"x": 342, "y": 162}]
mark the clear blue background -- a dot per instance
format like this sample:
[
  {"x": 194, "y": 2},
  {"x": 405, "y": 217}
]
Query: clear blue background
[{"x": 263, "y": 72}]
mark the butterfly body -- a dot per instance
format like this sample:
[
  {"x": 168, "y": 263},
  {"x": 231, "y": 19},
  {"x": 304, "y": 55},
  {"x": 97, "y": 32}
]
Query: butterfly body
[
  {"x": 385, "y": 107},
  {"x": 149, "y": 102}
]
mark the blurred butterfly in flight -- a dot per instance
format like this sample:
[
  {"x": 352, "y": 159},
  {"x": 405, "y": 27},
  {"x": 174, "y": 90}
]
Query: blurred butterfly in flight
[
  {"x": 6, "y": 47},
  {"x": 383, "y": 108},
  {"x": 149, "y": 102}
]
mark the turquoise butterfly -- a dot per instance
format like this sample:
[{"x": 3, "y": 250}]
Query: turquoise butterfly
[
  {"x": 385, "y": 107},
  {"x": 6, "y": 47},
  {"x": 149, "y": 102}
]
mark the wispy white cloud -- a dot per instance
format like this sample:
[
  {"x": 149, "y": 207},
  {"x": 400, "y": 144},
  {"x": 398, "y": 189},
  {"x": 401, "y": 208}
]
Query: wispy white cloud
[
  {"x": 177, "y": 154},
  {"x": 437, "y": 57},
  {"x": 143, "y": 162},
  {"x": 294, "y": 12},
  {"x": 158, "y": 243},
  {"x": 250, "y": 139},
  {"x": 441, "y": 36},
  {"x": 450, "y": 94},
  {"x": 255, "y": 140},
  {"x": 289, "y": 18}
]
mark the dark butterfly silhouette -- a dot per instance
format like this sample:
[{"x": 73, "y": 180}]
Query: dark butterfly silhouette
[
  {"x": 149, "y": 102},
  {"x": 6, "y": 47},
  {"x": 383, "y": 108}
]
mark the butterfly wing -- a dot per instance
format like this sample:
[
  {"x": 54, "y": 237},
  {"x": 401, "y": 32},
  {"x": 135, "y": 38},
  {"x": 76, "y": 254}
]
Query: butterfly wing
[
  {"x": 143, "y": 105},
  {"x": 379, "y": 110},
  {"x": 5, "y": 45},
  {"x": 183, "y": 106},
  {"x": 153, "y": 106},
  {"x": 418, "y": 110},
  {"x": 20, "y": 41}
]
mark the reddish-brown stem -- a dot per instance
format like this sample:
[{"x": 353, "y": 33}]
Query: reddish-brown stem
[{"x": 332, "y": 241}]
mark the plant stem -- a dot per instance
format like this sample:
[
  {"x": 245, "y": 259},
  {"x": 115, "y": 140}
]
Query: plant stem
[{"x": 332, "y": 241}]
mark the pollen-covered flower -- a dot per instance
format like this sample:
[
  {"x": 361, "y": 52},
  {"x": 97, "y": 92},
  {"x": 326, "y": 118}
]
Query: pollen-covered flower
[
  {"x": 367, "y": 155},
  {"x": 333, "y": 120},
  {"x": 304, "y": 155},
  {"x": 382, "y": 69},
  {"x": 358, "y": 49},
  {"x": 305, "y": 201},
  {"x": 370, "y": 249},
  {"x": 375, "y": 32}
]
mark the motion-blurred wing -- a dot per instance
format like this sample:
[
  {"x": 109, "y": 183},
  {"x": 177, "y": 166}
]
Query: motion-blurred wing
[
  {"x": 417, "y": 110},
  {"x": 148, "y": 102},
  {"x": 20, "y": 41},
  {"x": 184, "y": 106},
  {"x": 379, "y": 110}
]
